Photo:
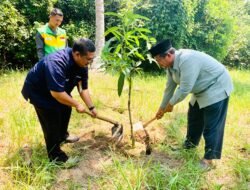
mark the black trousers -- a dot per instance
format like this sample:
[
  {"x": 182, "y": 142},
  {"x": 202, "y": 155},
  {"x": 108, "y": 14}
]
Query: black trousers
[
  {"x": 54, "y": 123},
  {"x": 209, "y": 121}
]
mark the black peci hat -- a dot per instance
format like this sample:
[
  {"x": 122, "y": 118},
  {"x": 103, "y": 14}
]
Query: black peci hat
[{"x": 160, "y": 47}]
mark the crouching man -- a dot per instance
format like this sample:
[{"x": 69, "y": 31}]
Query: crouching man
[
  {"x": 48, "y": 86},
  {"x": 209, "y": 83}
]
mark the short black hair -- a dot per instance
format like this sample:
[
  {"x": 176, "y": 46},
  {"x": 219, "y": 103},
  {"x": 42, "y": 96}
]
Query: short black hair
[
  {"x": 56, "y": 11},
  {"x": 83, "y": 46}
]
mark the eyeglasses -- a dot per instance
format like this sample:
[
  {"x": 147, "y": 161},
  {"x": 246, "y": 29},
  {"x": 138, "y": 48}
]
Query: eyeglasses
[{"x": 89, "y": 60}]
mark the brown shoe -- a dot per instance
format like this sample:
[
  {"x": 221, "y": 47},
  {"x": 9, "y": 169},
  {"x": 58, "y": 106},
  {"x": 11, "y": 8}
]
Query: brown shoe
[
  {"x": 206, "y": 165},
  {"x": 71, "y": 139}
]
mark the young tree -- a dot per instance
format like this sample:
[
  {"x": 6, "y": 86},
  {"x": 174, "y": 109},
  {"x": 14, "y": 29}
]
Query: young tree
[{"x": 123, "y": 52}]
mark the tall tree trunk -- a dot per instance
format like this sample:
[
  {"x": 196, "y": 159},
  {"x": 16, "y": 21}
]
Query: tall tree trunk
[{"x": 99, "y": 36}]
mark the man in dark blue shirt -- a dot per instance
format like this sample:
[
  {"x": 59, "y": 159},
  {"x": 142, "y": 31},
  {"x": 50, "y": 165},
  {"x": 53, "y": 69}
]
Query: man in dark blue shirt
[{"x": 48, "y": 86}]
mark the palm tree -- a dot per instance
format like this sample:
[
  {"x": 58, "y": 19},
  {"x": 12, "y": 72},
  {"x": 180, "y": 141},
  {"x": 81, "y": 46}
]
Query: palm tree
[{"x": 99, "y": 36}]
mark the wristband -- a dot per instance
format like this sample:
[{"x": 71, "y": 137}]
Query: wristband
[{"x": 91, "y": 108}]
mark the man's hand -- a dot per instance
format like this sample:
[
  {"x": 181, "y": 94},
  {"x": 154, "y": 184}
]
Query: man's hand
[
  {"x": 94, "y": 113},
  {"x": 160, "y": 113},
  {"x": 169, "y": 108},
  {"x": 80, "y": 108}
]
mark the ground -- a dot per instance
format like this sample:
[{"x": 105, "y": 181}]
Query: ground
[{"x": 95, "y": 141}]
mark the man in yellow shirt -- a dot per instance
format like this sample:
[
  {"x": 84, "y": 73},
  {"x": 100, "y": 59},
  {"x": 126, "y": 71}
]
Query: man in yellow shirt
[{"x": 51, "y": 37}]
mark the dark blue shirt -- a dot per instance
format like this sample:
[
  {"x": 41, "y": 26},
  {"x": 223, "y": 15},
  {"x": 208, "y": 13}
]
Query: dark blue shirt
[{"x": 57, "y": 72}]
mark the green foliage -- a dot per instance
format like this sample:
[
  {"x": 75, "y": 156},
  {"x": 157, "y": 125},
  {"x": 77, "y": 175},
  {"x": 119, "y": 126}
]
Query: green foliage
[
  {"x": 77, "y": 10},
  {"x": 199, "y": 24},
  {"x": 79, "y": 18},
  {"x": 217, "y": 27},
  {"x": 34, "y": 10},
  {"x": 12, "y": 31},
  {"x": 168, "y": 20},
  {"x": 123, "y": 54},
  {"x": 79, "y": 29},
  {"x": 34, "y": 13},
  {"x": 17, "y": 47},
  {"x": 239, "y": 52},
  {"x": 121, "y": 83},
  {"x": 214, "y": 28}
]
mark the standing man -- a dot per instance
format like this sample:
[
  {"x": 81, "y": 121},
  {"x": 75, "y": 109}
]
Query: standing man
[
  {"x": 48, "y": 86},
  {"x": 210, "y": 85},
  {"x": 51, "y": 37}
]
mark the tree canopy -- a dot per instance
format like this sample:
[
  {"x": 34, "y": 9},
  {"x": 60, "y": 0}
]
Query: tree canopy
[{"x": 218, "y": 27}]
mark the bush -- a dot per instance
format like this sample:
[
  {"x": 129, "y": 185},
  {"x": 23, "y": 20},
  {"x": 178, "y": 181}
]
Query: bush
[
  {"x": 198, "y": 24},
  {"x": 77, "y": 30},
  {"x": 24, "y": 16},
  {"x": 239, "y": 52},
  {"x": 13, "y": 33}
]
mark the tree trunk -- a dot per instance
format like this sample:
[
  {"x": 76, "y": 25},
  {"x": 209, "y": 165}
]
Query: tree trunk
[
  {"x": 99, "y": 36},
  {"x": 129, "y": 111}
]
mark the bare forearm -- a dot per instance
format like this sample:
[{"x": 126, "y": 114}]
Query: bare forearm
[
  {"x": 64, "y": 98},
  {"x": 86, "y": 98}
]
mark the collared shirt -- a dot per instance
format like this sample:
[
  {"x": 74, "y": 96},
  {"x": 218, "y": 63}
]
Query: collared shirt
[
  {"x": 197, "y": 73},
  {"x": 56, "y": 72},
  {"x": 48, "y": 40}
]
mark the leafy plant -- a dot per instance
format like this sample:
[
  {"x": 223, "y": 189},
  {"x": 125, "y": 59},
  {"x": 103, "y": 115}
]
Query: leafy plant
[
  {"x": 123, "y": 53},
  {"x": 77, "y": 30},
  {"x": 12, "y": 30}
]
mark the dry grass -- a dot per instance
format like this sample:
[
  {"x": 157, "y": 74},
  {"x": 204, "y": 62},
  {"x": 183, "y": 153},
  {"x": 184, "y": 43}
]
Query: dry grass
[{"x": 101, "y": 165}]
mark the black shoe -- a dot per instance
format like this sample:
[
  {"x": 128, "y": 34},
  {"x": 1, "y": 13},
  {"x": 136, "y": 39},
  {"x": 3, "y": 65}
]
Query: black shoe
[
  {"x": 188, "y": 145},
  {"x": 71, "y": 139},
  {"x": 58, "y": 157}
]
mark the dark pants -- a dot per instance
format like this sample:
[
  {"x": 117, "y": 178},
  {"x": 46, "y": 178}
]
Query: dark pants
[
  {"x": 54, "y": 123},
  {"x": 209, "y": 121}
]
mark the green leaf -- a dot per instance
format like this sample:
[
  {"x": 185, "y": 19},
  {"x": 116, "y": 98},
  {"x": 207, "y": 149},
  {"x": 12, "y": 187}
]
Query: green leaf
[
  {"x": 112, "y": 30},
  {"x": 118, "y": 48},
  {"x": 121, "y": 83},
  {"x": 137, "y": 16},
  {"x": 139, "y": 55},
  {"x": 143, "y": 30},
  {"x": 112, "y": 14}
]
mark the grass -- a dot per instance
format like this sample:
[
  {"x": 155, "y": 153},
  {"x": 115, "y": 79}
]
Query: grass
[{"x": 170, "y": 168}]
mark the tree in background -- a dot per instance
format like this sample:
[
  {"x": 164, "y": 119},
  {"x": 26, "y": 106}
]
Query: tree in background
[
  {"x": 12, "y": 32},
  {"x": 239, "y": 52},
  {"x": 34, "y": 10},
  {"x": 214, "y": 28},
  {"x": 205, "y": 25},
  {"x": 99, "y": 32},
  {"x": 217, "y": 27},
  {"x": 123, "y": 54},
  {"x": 29, "y": 14},
  {"x": 167, "y": 19},
  {"x": 79, "y": 18}
]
